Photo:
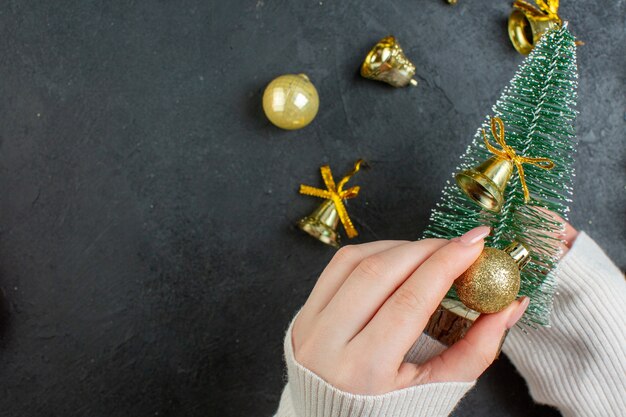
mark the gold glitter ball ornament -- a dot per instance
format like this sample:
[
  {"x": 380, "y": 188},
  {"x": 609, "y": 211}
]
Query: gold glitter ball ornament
[
  {"x": 291, "y": 101},
  {"x": 493, "y": 280}
]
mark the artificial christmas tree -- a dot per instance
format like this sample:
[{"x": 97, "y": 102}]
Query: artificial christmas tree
[{"x": 537, "y": 115}]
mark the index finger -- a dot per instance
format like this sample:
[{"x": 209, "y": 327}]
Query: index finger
[{"x": 402, "y": 318}]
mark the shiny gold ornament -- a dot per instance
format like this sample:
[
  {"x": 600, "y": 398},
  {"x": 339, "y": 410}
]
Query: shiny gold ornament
[
  {"x": 291, "y": 101},
  {"x": 485, "y": 183},
  {"x": 493, "y": 280},
  {"x": 322, "y": 223},
  {"x": 528, "y": 23},
  {"x": 386, "y": 62}
]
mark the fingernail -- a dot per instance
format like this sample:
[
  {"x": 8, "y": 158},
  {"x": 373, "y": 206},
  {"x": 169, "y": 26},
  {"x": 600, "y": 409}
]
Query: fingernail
[
  {"x": 519, "y": 312},
  {"x": 506, "y": 332},
  {"x": 474, "y": 236}
]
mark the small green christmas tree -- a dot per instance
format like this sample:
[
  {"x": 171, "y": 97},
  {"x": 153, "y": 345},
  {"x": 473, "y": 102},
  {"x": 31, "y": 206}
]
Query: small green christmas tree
[{"x": 537, "y": 111}]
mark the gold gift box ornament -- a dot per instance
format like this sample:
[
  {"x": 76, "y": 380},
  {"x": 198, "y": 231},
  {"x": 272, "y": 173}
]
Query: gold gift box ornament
[{"x": 527, "y": 23}]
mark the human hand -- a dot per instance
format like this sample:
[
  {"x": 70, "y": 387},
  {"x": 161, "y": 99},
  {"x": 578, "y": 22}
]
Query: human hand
[{"x": 373, "y": 301}]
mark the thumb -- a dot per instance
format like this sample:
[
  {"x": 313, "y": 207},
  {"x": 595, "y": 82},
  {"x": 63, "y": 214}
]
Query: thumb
[{"x": 468, "y": 358}]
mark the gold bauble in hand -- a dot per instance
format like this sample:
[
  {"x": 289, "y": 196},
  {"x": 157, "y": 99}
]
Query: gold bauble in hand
[{"x": 493, "y": 280}]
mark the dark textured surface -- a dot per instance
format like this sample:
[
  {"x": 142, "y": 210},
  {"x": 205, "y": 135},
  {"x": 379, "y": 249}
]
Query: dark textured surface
[{"x": 147, "y": 251}]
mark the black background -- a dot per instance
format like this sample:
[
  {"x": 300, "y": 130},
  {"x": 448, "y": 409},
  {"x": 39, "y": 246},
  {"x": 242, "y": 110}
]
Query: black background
[{"x": 148, "y": 255}]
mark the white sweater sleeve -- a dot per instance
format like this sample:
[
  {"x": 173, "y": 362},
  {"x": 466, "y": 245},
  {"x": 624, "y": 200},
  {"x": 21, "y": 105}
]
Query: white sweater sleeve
[
  {"x": 579, "y": 363},
  {"x": 308, "y": 395}
]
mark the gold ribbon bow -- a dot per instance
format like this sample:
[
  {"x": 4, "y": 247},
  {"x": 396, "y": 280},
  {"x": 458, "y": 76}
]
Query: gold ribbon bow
[
  {"x": 508, "y": 152},
  {"x": 337, "y": 194},
  {"x": 546, "y": 10}
]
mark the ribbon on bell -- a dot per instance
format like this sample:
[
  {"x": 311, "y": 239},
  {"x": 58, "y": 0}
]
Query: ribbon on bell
[
  {"x": 337, "y": 194},
  {"x": 507, "y": 152},
  {"x": 545, "y": 10}
]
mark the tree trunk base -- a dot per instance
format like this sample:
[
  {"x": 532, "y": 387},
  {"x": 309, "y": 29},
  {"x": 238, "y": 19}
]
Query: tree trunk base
[{"x": 450, "y": 322}]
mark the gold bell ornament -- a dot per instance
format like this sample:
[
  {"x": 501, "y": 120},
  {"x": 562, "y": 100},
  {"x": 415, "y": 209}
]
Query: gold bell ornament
[
  {"x": 386, "y": 62},
  {"x": 291, "y": 101},
  {"x": 527, "y": 23},
  {"x": 322, "y": 223},
  {"x": 492, "y": 282},
  {"x": 485, "y": 183}
]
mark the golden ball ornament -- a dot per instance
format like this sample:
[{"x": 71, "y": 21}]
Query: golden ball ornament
[
  {"x": 491, "y": 283},
  {"x": 291, "y": 101}
]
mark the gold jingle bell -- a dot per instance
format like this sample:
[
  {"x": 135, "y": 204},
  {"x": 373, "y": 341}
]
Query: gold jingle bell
[
  {"x": 322, "y": 224},
  {"x": 386, "y": 62},
  {"x": 485, "y": 183},
  {"x": 528, "y": 23},
  {"x": 492, "y": 282}
]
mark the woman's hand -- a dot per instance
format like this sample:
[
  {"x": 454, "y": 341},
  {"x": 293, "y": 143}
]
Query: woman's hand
[{"x": 373, "y": 301}]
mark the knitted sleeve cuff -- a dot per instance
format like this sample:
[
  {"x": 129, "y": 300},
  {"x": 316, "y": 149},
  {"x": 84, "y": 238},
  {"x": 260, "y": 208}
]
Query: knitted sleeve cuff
[
  {"x": 579, "y": 363},
  {"x": 308, "y": 395}
]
